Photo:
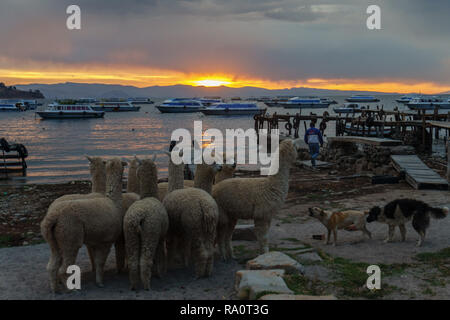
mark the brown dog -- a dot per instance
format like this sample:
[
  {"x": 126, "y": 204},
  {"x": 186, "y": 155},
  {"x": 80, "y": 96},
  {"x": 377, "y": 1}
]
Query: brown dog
[{"x": 340, "y": 220}]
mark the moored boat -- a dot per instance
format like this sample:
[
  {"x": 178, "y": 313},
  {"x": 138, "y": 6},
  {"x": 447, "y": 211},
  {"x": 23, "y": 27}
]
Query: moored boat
[
  {"x": 362, "y": 98},
  {"x": 355, "y": 131},
  {"x": 69, "y": 111},
  {"x": 405, "y": 99},
  {"x": 232, "y": 109},
  {"x": 115, "y": 106},
  {"x": 305, "y": 103},
  {"x": 424, "y": 103},
  {"x": 180, "y": 106},
  {"x": 6, "y": 106},
  {"x": 349, "y": 108},
  {"x": 140, "y": 100},
  {"x": 444, "y": 104}
]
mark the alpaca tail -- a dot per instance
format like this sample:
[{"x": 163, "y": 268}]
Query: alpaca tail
[
  {"x": 47, "y": 231},
  {"x": 439, "y": 213}
]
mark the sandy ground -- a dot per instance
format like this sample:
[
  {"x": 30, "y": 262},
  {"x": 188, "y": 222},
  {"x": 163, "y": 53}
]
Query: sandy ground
[{"x": 23, "y": 275}]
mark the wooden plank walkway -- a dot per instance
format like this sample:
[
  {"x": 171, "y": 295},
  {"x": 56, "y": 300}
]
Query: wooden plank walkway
[
  {"x": 417, "y": 174},
  {"x": 366, "y": 140},
  {"x": 439, "y": 124}
]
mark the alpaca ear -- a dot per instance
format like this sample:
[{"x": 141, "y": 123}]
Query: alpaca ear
[
  {"x": 167, "y": 153},
  {"x": 154, "y": 158},
  {"x": 89, "y": 158}
]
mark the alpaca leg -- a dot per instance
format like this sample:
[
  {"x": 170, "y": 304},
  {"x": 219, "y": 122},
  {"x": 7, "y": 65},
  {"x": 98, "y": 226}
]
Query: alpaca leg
[
  {"x": 69, "y": 258},
  {"x": 161, "y": 257},
  {"x": 148, "y": 250},
  {"x": 91, "y": 253},
  {"x": 228, "y": 236},
  {"x": 120, "y": 254},
  {"x": 52, "y": 267},
  {"x": 210, "y": 263},
  {"x": 101, "y": 254},
  {"x": 186, "y": 250},
  {"x": 261, "y": 229},
  {"x": 132, "y": 246},
  {"x": 367, "y": 232},
  {"x": 221, "y": 243},
  {"x": 201, "y": 257}
]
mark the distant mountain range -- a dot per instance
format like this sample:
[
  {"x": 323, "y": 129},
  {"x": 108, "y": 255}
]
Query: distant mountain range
[{"x": 95, "y": 90}]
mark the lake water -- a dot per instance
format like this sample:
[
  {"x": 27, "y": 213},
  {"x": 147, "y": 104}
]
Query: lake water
[{"x": 57, "y": 147}]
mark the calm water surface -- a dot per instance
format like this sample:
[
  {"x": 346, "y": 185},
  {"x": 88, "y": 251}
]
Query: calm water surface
[{"x": 57, "y": 147}]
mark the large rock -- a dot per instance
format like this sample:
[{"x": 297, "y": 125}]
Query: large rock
[
  {"x": 295, "y": 297},
  {"x": 275, "y": 260},
  {"x": 250, "y": 284},
  {"x": 244, "y": 232},
  {"x": 309, "y": 257}
]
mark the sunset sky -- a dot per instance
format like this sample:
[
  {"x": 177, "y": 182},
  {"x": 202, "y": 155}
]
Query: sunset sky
[{"x": 272, "y": 44}]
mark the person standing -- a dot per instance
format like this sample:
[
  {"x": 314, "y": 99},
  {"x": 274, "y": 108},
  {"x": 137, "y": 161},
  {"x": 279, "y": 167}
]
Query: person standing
[{"x": 313, "y": 137}]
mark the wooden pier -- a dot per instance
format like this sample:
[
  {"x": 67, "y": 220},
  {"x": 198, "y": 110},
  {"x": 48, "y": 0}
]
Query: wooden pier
[
  {"x": 417, "y": 174},
  {"x": 12, "y": 159}
]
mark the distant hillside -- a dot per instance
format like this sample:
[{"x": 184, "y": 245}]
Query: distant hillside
[
  {"x": 13, "y": 93},
  {"x": 94, "y": 90}
]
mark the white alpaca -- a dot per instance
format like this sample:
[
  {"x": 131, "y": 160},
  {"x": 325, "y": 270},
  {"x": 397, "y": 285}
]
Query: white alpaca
[
  {"x": 96, "y": 222},
  {"x": 253, "y": 198},
  {"x": 193, "y": 216},
  {"x": 145, "y": 226}
]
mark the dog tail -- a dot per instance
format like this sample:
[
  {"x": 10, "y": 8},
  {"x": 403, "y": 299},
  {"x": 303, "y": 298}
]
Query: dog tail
[{"x": 439, "y": 213}]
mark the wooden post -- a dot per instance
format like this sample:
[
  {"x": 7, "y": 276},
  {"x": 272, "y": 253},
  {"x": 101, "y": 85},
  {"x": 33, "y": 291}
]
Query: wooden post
[{"x": 448, "y": 159}]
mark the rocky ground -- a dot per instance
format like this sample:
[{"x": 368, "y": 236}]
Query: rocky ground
[{"x": 407, "y": 272}]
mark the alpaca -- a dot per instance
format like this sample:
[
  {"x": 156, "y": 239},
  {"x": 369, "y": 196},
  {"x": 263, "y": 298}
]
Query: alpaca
[
  {"x": 226, "y": 172},
  {"x": 145, "y": 226},
  {"x": 193, "y": 217},
  {"x": 128, "y": 198},
  {"x": 98, "y": 176},
  {"x": 96, "y": 222},
  {"x": 97, "y": 170},
  {"x": 253, "y": 198}
]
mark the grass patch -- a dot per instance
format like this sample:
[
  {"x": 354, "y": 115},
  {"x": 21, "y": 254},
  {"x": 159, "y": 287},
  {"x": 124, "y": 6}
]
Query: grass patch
[
  {"x": 5, "y": 241},
  {"x": 302, "y": 285},
  {"x": 295, "y": 240}
]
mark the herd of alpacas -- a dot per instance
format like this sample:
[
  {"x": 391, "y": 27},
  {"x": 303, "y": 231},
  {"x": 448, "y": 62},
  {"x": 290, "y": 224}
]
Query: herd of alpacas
[{"x": 153, "y": 223}]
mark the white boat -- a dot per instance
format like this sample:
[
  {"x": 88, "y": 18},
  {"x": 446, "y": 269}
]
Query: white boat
[
  {"x": 115, "y": 106},
  {"x": 179, "y": 105},
  {"x": 232, "y": 109},
  {"x": 69, "y": 111},
  {"x": 444, "y": 104},
  {"x": 349, "y": 108},
  {"x": 11, "y": 106},
  {"x": 405, "y": 99},
  {"x": 424, "y": 103},
  {"x": 140, "y": 100},
  {"x": 362, "y": 98},
  {"x": 305, "y": 103},
  {"x": 209, "y": 101}
]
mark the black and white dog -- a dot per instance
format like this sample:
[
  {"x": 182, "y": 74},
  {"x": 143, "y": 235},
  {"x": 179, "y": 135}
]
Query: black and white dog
[{"x": 398, "y": 212}]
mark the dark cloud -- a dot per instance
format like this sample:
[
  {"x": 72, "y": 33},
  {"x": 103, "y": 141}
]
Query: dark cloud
[{"x": 276, "y": 40}]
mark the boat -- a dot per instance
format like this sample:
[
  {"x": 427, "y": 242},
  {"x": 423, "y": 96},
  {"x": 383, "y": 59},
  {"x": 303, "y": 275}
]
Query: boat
[
  {"x": 178, "y": 105},
  {"x": 328, "y": 100},
  {"x": 69, "y": 111},
  {"x": 444, "y": 104},
  {"x": 115, "y": 106},
  {"x": 355, "y": 131},
  {"x": 232, "y": 109},
  {"x": 349, "y": 108},
  {"x": 362, "y": 98},
  {"x": 8, "y": 106},
  {"x": 207, "y": 101},
  {"x": 424, "y": 103},
  {"x": 140, "y": 100},
  {"x": 305, "y": 103},
  {"x": 405, "y": 99}
]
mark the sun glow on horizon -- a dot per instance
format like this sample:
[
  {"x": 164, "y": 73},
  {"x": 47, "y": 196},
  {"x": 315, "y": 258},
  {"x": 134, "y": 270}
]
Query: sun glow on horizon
[
  {"x": 211, "y": 82},
  {"x": 149, "y": 77}
]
